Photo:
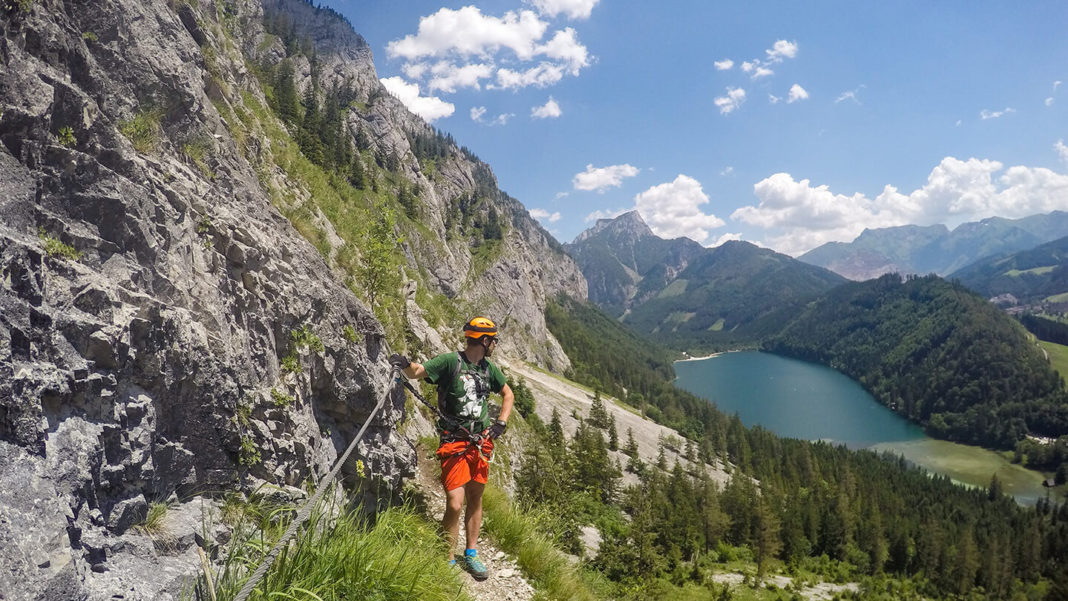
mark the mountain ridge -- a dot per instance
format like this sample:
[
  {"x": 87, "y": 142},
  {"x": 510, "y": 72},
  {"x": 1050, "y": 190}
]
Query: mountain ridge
[
  {"x": 912, "y": 249},
  {"x": 665, "y": 287}
]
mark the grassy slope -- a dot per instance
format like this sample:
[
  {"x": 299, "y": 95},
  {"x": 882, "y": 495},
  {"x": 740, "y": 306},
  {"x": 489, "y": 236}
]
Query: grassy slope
[{"x": 1058, "y": 357}]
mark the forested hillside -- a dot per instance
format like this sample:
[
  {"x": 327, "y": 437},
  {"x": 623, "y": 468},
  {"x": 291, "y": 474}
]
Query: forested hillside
[
  {"x": 734, "y": 294},
  {"x": 937, "y": 353},
  {"x": 1033, "y": 276},
  {"x": 816, "y": 508}
]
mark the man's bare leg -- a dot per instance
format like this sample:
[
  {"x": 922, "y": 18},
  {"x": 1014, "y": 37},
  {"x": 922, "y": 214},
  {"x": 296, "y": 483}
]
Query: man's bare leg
[
  {"x": 450, "y": 522},
  {"x": 473, "y": 517}
]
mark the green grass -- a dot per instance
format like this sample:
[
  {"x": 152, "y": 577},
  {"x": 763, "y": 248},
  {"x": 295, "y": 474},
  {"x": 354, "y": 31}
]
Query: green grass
[
  {"x": 1014, "y": 273},
  {"x": 400, "y": 557},
  {"x": 1057, "y": 298},
  {"x": 153, "y": 524},
  {"x": 517, "y": 533},
  {"x": 675, "y": 288},
  {"x": 1058, "y": 357},
  {"x": 143, "y": 130}
]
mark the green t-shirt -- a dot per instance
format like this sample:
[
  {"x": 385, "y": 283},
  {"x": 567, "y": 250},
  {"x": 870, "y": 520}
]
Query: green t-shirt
[{"x": 467, "y": 398}]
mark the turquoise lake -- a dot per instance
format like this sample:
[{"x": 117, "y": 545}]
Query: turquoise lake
[
  {"x": 794, "y": 398},
  {"x": 804, "y": 400}
]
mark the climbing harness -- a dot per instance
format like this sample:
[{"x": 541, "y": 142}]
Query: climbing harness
[
  {"x": 461, "y": 429},
  {"x": 305, "y": 511}
]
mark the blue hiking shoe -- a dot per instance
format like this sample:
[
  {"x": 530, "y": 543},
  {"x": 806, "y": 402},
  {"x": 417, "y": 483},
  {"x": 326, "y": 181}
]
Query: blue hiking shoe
[{"x": 474, "y": 565}]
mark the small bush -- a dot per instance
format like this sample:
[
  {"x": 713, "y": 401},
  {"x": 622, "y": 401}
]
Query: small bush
[
  {"x": 55, "y": 248},
  {"x": 291, "y": 364},
  {"x": 281, "y": 399},
  {"x": 306, "y": 338},
  {"x": 350, "y": 334},
  {"x": 89, "y": 36},
  {"x": 66, "y": 137},
  {"x": 250, "y": 453}
]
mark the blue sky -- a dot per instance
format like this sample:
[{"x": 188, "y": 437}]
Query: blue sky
[{"x": 787, "y": 124}]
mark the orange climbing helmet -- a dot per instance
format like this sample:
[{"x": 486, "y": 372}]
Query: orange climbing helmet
[{"x": 479, "y": 327}]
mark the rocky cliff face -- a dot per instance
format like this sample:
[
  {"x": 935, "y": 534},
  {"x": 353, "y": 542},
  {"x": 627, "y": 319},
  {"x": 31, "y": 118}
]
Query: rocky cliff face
[
  {"x": 165, "y": 331},
  {"x": 625, "y": 263}
]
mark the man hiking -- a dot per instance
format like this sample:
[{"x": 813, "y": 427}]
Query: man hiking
[{"x": 465, "y": 380}]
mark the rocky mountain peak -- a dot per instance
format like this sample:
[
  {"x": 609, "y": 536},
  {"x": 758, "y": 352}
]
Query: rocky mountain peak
[{"x": 628, "y": 225}]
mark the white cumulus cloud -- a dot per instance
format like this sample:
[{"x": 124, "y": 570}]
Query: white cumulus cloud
[
  {"x": 603, "y": 178},
  {"x": 477, "y": 112},
  {"x": 468, "y": 32},
  {"x": 543, "y": 75},
  {"x": 780, "y": 50},
  {"x": 1062, "y": 150},
  {"x": 734, "y": 99},
  {"x": 549, "y": 110},
  {"x": 723, "y": 65},
  {"x": 565, "y": 46},
  {"x": 427, "y": 107},
  {"x": 796, "y": 93},
  {"x": 762, "y": 71},
  {"x": 725, "y": 238},
  {"x": 1049, "y": 101},
  {"x": 798, "y": 216},
  {"x": 673, "y": 209},
  {"x": 543, "y": 215},
  {"x": 447, "y": 76},
  {"x": 988, "y": 114},
  {"x": 511, "y": 50},
  {"x": 574, "y": 9}
]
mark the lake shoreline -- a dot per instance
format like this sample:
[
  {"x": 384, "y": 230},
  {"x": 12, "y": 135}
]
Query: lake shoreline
[
  {"x": 799, "y": 399},
  {"x": 713, "y": 355}
]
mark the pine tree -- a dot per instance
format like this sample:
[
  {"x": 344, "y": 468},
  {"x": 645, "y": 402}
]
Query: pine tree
[
  {"x": 631, "y": 448},
  {"x": 613, "y": 437},
  {"x": 598, "y": 416},
  {"x": 766, "y": 527},
  {"x": 286, "y": 100}
]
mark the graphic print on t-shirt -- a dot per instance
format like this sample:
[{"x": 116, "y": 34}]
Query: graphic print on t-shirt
[{"x": 474, "y": 395}]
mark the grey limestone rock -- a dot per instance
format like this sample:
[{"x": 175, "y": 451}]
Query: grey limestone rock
[{"x": 149, "y": 286}]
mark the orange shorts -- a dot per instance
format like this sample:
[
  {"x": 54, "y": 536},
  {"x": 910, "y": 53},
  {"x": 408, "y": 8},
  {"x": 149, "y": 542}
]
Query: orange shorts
[{"x": 461, "y": 462}]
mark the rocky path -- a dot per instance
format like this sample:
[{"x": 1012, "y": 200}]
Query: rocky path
[{"x": 506, "y": 581}]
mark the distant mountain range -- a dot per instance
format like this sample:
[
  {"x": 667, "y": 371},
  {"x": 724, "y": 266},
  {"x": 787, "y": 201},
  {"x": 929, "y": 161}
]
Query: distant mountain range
[
  {"x": 689, "y": 296},
  {"x": 912, "y": 249}
]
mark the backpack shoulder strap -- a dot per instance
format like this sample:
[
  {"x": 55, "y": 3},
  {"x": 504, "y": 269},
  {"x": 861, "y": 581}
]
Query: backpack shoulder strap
[{"x": 443, "y": 387}]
